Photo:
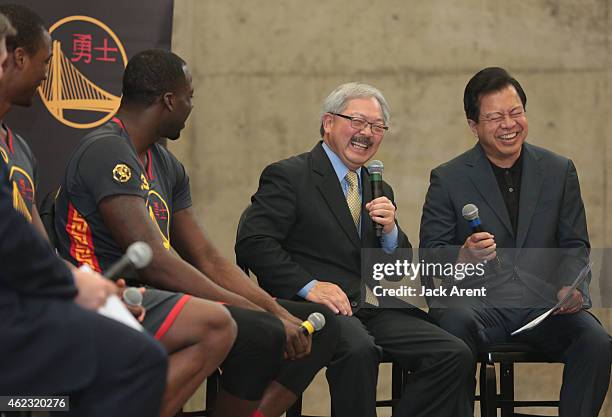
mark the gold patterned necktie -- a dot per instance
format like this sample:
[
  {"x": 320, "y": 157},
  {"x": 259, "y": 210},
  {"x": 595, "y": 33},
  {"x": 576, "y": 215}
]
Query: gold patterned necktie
[{"x": 353, "y": 199}]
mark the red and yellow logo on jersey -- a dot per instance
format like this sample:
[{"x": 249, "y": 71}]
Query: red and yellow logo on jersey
[
  {"x": 81, "y": 241},
  {"x": 23, "y": 191},
  {"x": 158, "y": 210}
]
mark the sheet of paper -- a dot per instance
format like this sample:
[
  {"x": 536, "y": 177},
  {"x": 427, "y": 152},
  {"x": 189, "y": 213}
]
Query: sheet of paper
[
  {"x": 114, "y": 309},
  {"x": 535, "y": 322}
]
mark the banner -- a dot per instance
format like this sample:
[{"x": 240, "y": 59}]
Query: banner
[{"x": 92, "y": 43}]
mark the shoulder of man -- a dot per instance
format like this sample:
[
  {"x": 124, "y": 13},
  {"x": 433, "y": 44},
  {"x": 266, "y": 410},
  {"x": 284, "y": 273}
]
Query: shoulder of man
[
  {"x": 293, "y": 165},
  {"x": 451, "y": 166},
  {"x": 19, "y": 141},
  {"x": 547, "y": 156}
]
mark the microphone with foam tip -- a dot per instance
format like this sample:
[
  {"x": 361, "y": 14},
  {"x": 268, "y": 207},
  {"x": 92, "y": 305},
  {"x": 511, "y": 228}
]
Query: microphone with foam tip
[
  {"x": 132, "y": 297},
  {"x": 137, "y": 255},
  {"x": 315, "y": 322},
  {"x": 376, "y": 168},
  {"x": 470, "y": 213}
]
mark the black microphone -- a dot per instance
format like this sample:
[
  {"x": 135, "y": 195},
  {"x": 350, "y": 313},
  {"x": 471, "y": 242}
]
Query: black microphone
[
  {"x": 137, "y": 255},
  {"x": 375, "y": 168},
  {"x": 470, "y": 213},
  {"x": 315, "y": 322}
]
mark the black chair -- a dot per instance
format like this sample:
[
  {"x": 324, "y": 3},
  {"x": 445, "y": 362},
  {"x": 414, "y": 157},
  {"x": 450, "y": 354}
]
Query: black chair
[
  {"x": 398, "y": 381},
  {"x": 506, "y": 354},
  {"x": 46, "y": 210}
]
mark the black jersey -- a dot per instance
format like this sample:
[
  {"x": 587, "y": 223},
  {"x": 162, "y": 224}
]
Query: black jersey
[
  {"x": 104, "y": 164},
  {"x": 22, "y": 169}
]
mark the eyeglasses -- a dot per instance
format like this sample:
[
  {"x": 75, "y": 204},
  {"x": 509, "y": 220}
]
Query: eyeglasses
[
  {"x": 498, "y": 117},
  {"x": 359, "y": 124}
]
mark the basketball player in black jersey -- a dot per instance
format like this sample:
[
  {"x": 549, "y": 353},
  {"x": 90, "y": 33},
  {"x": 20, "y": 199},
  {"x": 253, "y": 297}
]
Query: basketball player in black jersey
[
  {"x": 52, "y": 342},
  {"x": 123, "y": 186}
]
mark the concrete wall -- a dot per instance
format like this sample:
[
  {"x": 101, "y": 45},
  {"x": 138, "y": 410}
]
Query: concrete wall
[{"x": 262, "y": 68}]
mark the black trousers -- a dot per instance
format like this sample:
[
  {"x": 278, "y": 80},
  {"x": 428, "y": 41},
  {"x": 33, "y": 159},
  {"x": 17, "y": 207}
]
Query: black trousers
[
  {"x": 256, "y": 356},
  {"x": 441, "y": 365},
  {"x": 578, "y": 340},
  {"x": 54, "y": 347}
]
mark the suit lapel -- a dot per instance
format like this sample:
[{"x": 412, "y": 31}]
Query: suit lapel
[
  {"x": 531, "y": 186},
  {"x": 481, "y": 175},
  {"x": 328, "y": 185}
]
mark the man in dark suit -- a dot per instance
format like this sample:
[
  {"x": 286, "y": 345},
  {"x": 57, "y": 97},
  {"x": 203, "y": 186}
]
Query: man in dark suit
[
  {"x": 530, "y": 204},
  {"x": 303, "y": 235},
  {"x": 53, "y": 344}
]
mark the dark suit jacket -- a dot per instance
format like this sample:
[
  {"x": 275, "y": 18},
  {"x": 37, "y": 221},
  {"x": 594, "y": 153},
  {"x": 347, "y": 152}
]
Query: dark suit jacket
[
  {"x": 299, "y": 228},
  {"x": 551, "y": 215},
  {"x": 44, "y": 350}
]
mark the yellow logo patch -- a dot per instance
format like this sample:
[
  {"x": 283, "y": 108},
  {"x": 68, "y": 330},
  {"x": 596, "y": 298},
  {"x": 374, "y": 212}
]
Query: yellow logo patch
[
  {"x": 122, "y": 173},
  {"x": 144, "y": 183}
]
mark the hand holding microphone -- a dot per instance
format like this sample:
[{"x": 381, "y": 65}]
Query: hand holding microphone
[
  {"x": 381, "y": 209},
  {"x": 138, "y": 255},
  {"x": 298, "y": 336},
  {"x": 132, "y": 299},
  {"x": 480, "y": 244}
]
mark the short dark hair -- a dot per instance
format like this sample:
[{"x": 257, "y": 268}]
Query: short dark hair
[
  {"x": 151, "y": 73},
  {"x": 486, "y": 81},
  {"x": 30, "y": 28}
]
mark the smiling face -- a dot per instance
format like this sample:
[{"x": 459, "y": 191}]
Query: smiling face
[
  {"x": 29, "y": 70},
  {"x": 502, "y": 127},
  {"x": 354, "y": 147}
]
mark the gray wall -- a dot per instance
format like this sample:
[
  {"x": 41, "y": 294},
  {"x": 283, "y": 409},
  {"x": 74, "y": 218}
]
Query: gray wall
[{"x": 261, "y": 69}]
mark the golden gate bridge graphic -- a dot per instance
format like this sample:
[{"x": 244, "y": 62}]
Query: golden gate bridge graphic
[{"x": 66, "y": 88}]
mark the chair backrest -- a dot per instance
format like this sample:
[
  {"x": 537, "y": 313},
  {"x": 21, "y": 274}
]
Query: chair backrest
[
  {"x": 240, "y": 225},
  {"x": 46, "y": 210}
]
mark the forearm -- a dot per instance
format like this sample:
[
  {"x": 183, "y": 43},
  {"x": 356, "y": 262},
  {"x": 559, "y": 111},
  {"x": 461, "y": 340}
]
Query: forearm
[
  {"x": 169, "y": 272},
  {"x": 227, "y": 275}
]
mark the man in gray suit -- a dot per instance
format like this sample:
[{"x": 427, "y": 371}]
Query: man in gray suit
[{"x": 528, "y": 198}]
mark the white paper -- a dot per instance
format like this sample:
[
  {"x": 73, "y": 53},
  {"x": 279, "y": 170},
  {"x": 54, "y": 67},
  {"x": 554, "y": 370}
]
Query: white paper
[
  {"x": 533, "y": 323},
  {"x": 114, "y": 309}
]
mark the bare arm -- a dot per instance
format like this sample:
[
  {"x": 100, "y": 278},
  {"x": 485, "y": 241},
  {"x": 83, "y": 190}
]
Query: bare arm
[
  {"x": 128, "y": 221},
  {"x": 192, "y": 244}
]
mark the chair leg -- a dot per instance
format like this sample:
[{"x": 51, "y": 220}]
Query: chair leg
[
  {"x": 488, "y": 395},
  {"x": 397, "y": 385},
  {"x": 506, "y": 388},
  {"x": 296, "y": 409},
  {"x": 212, "y": 390}
]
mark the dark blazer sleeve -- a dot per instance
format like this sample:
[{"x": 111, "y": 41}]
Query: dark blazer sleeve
[
  {"x": 28, "y": 264},
  {"x": 439, "y": 221},
  {"x": 264, "y": 226},
  {"x": 572, "y": 228}
]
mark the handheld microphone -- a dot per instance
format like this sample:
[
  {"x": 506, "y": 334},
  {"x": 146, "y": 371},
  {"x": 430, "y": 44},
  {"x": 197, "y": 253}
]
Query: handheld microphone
[
  {"x": 132, "y": 297},
  {"x": 376, "y": 168},
  {"x": 137, "y": 255},
  {"x": 470, "y": 213},
  {"x": 315, "y": 322}
]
